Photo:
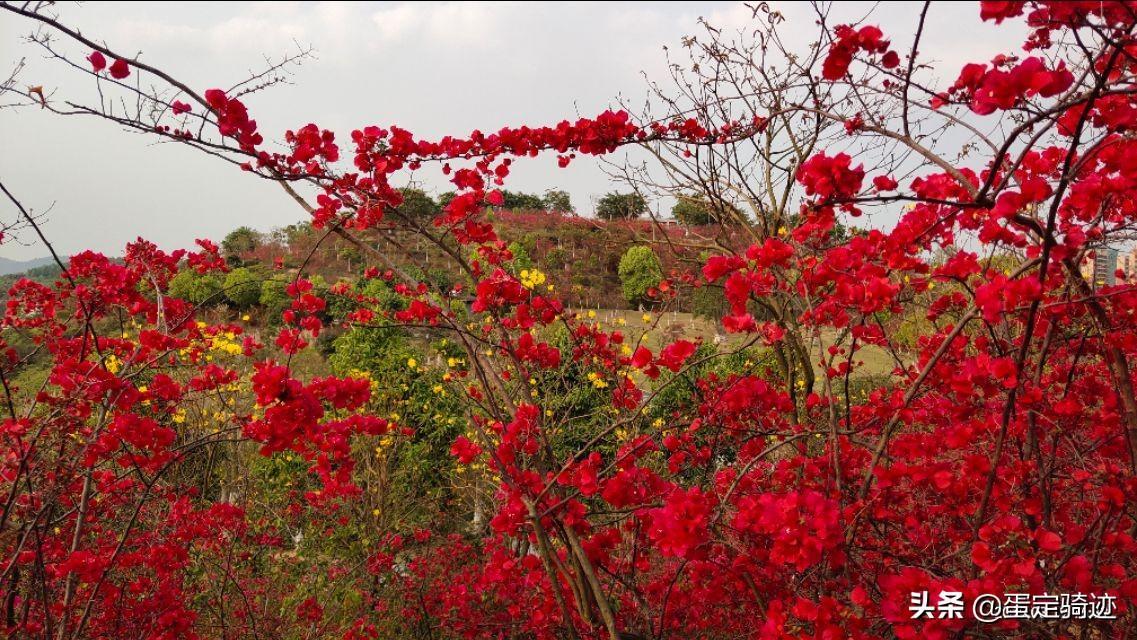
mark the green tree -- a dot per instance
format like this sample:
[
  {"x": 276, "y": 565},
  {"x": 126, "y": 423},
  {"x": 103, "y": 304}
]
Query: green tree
[
  {"x": 558, "y": 201},
  {"x": 243, "y": 287},
  {"x": 418, "y": 204},
  {"x": 621, "y": 206},
  {"x": 692, "y": 212},
  {"x": 196, "y": 288},
  {"x": 240, "y": 240},
  {"x": 520, "y": 201},
  {"x": 639, "y": 271},
  {"x": 287, "y": 236}
]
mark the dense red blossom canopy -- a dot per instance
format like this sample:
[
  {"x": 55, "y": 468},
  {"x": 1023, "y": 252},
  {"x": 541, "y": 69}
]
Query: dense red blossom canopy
[{"x": 1001, "y": 459}]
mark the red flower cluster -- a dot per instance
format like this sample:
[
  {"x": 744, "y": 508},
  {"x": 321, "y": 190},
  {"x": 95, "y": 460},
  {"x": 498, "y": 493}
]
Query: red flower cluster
[
  {"x": 233, "y": 119},
  {"x": 831, "y": 178},
  {"x": 119, "y": 70},
  {"x": 848, "y": 41},
  {"x": 990, "y": 90}
]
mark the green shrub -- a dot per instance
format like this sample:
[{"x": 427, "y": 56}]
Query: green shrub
[
  {"x": 243, "y": 287},
  {"x": 196, "y": 288},
  {"x": 521, "y": 259},
  {"x": 274, "y": 297},
  {"x": 639, "y": 271}
]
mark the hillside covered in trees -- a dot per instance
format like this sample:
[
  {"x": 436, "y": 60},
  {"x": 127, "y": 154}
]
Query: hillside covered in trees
[{"x": 579, "y": 256}]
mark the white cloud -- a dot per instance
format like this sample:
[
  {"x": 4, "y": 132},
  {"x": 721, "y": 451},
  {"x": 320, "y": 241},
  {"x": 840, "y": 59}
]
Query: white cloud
[
  {"x": 261, "y": 34},
  {"x": 447, "y": 25},
  {"x": 397, "y": 23}
]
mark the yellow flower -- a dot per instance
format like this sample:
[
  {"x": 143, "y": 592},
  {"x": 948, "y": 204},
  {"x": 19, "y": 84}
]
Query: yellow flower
[
  {"x": 245, "y": 318},
  {"x": 531, "y": 278},
  {"x": 411, "y": 363},
  {"x": 647, "y": 317},
  {"x": 596, "y": 380},
  {"x": 591, "y": 313}
]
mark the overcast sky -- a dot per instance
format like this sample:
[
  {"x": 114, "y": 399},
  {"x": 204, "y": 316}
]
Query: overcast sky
[{"x": 435, "y": 69}]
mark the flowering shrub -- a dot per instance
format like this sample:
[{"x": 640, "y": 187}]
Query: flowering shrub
[{"x": 781, "y": 501}]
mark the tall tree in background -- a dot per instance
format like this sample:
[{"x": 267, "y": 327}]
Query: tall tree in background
[
  {"x": 558, "y": 201},
  {"x": 240, "y": 241},
  {"x": 621, "y": 206},
  {"x": 418, "y": 204}
]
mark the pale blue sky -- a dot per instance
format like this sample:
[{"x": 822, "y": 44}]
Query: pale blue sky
[{"x": 436, "y": 69}]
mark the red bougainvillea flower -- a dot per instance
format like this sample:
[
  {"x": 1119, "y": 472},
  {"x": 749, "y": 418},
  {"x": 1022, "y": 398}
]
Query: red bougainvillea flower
[
  {"x": 675, "y": 354},
  {"x": 465, "y": 450},
  {"x": 848, "y": 42},
  {"x": 1000, "y": 10},
  {"x": 120, "y": 69},
  {"x": 830, "y": 177},
  {"x": 995, "y": 89},
  {"x": 884, "y": 183},
  {"x": 98, "y": 61}
]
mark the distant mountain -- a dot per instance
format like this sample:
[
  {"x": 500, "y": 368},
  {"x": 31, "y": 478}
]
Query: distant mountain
[{"x": 8, "y": 267}]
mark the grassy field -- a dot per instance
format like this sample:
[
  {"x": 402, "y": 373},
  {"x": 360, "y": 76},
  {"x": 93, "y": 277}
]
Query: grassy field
[{"x": 660, "y": 329}]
